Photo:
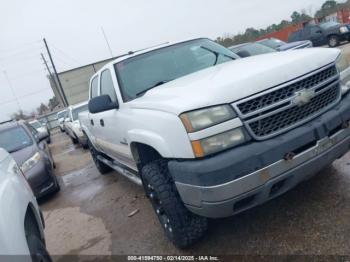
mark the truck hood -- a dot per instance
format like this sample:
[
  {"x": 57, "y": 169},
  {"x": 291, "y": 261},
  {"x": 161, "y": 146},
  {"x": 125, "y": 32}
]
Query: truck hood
[{"x": 232, "y": 81}]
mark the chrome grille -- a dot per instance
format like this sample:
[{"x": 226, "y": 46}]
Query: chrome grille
[
  {"x": 286, "y": 92},
  {"x": 276, "y": 111}
]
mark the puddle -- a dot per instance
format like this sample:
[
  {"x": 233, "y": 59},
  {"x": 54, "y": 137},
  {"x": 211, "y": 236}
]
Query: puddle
[{"x": 68, "y": 178}]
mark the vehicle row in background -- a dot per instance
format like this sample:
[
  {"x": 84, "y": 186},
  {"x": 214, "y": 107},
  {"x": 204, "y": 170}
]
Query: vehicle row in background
[
  {"x": 42, "y": 129},
  {"x": 280, "y": 45},
  {"x": 72, "y": 124},
  {"x": 266, "y": 46},
  {"x": 330, "y": 33},
  {"x": 251, "y": 49},
  {"x": 32, "y": 154},
  {"x": 61, "y": 116},
  {"x": 21, "y": 221}
]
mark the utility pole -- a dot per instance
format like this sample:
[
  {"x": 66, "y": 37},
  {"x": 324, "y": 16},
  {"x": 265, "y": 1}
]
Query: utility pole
[
  {"x": 13, "y": 91},
  {"x": 109, "y": 47},
  {"x": 65, "y": 101},
  {"x": 52, "y": 78}
]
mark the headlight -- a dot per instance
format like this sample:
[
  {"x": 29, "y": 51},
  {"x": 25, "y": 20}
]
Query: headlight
[
  {"x": 203, "y": 118},
  {"x": 218, "y": 142},
  {"x": 31, "y": 162},
  {"x": 343, "y": 29},
  {"x": 342, "y": 63}
]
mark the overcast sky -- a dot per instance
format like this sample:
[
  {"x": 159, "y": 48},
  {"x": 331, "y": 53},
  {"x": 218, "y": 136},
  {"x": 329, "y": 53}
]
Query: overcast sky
[{"x": 73, "y": 31}]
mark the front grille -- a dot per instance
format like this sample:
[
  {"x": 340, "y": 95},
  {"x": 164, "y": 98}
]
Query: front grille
[
  {"x": 277, "y": 111},
  {"x": 291, "y": 116},
  {"x": 286, "y": 92}
]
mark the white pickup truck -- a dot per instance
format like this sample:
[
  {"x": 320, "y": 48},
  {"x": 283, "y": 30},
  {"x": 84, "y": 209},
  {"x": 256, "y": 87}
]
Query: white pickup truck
[{"x": 209, "y": 135}]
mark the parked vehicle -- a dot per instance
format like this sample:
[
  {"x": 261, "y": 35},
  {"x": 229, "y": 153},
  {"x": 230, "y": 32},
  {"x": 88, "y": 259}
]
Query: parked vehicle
[
  {"x": 280, "y": 45},
  {"x": 31, "y": 152},
  {"x": 42, "y": 129},
  {"x": 330, "y": 33},
  {"x": 72, "y": 124},
  {"x": 21, "y": 221},
  {"x": 251, "y": 49},
  {"x": 212, "y": 140},
  {"x": 60, "y": 118}
]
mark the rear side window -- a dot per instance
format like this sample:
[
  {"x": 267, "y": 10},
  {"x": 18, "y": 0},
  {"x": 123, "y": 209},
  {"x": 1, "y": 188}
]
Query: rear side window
[
  {"x": 94, "y": 87},
  {"x": 107, "y": 87}
]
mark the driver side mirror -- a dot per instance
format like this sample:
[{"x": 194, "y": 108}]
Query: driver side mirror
[{"x": 102, "y": 103}]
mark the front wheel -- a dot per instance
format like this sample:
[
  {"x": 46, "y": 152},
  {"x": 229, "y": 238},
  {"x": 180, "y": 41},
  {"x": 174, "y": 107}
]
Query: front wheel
[
  {"x": 182, "y": 227},
  {"x": 38, "y": 251},
  {"x": 333, "y": 41}
]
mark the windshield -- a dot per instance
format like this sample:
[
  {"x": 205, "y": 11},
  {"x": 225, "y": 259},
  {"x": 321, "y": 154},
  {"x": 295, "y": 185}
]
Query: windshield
[
  {"x": 35, "y": 124},
  {"x": 76, "y": 111},
  {"x": 14, "y": 139},
  {"x": 273, "y": 43},
  {"x": 252, "y": 49},
  {"x": 138, "y": 74},
  {"x": 328, "y": 25}
]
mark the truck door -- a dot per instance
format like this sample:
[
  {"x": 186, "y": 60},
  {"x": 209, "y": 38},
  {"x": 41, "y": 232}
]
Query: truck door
[
  {"x": 91, "y": 121},
  {"x": 110, "y": 136}
]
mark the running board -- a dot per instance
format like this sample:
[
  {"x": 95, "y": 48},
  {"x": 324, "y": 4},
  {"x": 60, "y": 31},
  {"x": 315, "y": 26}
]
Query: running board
[{"x": 123, "y": 171}]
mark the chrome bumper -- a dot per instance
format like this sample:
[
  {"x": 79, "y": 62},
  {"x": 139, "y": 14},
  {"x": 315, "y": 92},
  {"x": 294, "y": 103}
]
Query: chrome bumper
[{"x": 264, "y": 184}]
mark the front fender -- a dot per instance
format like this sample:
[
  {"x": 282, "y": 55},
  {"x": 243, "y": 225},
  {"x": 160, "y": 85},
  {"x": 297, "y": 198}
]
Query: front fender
[{"x": 152, "y": 139}]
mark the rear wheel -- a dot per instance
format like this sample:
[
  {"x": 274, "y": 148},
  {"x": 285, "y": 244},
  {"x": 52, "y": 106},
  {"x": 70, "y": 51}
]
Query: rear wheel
[
  {"x": 101, "y": 167},
  {"x": 182, "y": 227},
  {"x": 333, "y": 41}
]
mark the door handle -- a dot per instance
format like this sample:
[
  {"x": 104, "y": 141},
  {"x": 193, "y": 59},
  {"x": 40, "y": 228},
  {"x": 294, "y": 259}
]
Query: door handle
[
  {"x": 102, "y": 123},
  {"x": 92, "y": 122}
]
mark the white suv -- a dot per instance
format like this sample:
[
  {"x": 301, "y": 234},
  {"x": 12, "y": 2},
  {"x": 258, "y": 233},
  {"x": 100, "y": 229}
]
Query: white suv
[{"x": 21, "y": 221}]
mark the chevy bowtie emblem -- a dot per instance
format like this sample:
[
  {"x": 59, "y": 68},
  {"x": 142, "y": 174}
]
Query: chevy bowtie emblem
[{"x": 303, "y": 97}]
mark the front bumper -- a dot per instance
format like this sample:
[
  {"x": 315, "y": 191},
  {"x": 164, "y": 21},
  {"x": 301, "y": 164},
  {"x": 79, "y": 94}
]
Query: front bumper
[
  {"x": 244, "y": 177},
  {"x": 40, "y": 178}
]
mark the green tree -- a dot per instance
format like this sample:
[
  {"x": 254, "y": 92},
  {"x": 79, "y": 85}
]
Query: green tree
[{"x": 330, "y": 4}]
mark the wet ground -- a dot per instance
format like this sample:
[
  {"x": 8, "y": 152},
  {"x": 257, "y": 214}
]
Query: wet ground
[{"x": 90, "y": 215}]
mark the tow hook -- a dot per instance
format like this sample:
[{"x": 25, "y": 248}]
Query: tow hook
[{"x": 289, "y": 156}]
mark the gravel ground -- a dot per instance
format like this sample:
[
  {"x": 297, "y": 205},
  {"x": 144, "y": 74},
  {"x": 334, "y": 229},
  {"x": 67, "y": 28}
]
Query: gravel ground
[{"x": 90, "y": 215}]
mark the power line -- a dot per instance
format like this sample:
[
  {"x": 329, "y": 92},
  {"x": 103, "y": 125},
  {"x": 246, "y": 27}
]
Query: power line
[
  {"x": 109, "y": 47},
  {"x": 24, "y": 96},
  {"x": 6, "y": 50},
  {"x": 65, "y": 54},
  {"x": 13, "y": 92}
]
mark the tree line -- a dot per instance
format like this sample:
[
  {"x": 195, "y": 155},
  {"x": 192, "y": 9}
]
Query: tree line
[{"x": 251, "y": 33}]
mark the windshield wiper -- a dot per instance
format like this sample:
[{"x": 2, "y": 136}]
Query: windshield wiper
[
  {"x": 217, "y": 54},
  {"x": 151, "y": 87}
]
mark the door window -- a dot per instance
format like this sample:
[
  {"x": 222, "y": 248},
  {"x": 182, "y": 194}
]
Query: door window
[
  {"x": 94, "y": 87},
  {"x": 107, "y": 87}
]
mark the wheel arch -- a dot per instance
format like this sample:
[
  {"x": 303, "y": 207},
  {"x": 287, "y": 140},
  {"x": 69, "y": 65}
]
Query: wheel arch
[{"x": 143, "y": 154}]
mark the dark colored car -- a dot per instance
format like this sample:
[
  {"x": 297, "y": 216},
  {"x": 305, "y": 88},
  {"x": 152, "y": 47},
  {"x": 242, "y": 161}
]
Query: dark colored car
[
  {"x": 251, "y": 49},
  {"x": 32, "y": 154},
  {"x": 280, "y": 45},
  {"x": 330, "y": 33}
]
